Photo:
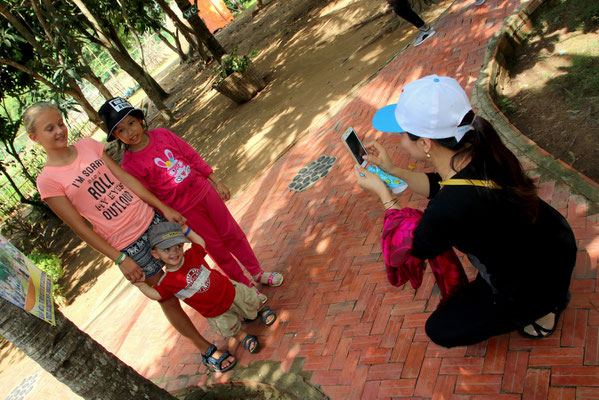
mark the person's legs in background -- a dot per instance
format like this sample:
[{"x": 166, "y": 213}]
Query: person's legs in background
[{"x": 402, "y": 9}]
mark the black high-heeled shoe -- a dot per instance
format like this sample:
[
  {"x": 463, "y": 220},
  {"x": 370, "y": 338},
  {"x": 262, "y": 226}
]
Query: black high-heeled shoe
[{"x": 540, "y": 331}]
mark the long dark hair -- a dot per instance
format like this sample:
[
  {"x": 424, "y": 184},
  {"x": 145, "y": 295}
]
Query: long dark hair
[{"x": 488, "y": 154}]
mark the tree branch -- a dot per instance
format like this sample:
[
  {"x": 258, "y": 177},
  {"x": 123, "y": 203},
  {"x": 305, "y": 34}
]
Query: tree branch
[{"x": 30, "y": 72}]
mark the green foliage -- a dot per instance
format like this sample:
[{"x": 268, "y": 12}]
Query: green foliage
[
  {"x": 506, "y": 105},
  {"x": 13, "y": 47},
  {"x": 237, "y": 6},
  {"x": 232, "y": 63},
  {"x": 49, "y": 263},
  {"x": 52, "y": 266}
]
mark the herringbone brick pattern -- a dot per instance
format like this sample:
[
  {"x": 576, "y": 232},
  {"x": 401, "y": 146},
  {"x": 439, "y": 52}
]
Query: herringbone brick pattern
[{"x": 359, "y": 337}]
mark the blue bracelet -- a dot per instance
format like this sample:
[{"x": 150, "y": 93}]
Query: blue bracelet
[{"x": 187, "y": 233}]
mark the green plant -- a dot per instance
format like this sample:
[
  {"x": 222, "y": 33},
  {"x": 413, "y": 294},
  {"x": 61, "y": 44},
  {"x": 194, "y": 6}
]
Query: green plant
[
  {"x": 232, "y": 63},
  {"x": 49, "y": 263},
  {"x": 506, "y": 105},
  {"x": 52, "y": 266}
]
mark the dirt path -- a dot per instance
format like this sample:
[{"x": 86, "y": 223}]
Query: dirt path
[{"x": 313, "y": 54}]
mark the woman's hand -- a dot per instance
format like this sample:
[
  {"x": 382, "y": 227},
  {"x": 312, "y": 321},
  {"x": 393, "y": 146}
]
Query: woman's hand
[
  {"x": 133, "y": 273},
  {"x": 223, "y": 191},
  {"x": 173, "y": 216},
  {"x": 371, "y": 182},
  {"x": 379, "y": 156}
]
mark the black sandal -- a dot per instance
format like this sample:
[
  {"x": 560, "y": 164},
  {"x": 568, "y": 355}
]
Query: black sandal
[
  {"x": 248, "y": 341},
  {"x": 540, "y": 331},
  {"x": 214, "y": 363},
  {"x": 267, "y": 315}
]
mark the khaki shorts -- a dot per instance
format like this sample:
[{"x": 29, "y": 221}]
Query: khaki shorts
[{"x": 245, "y": 305}]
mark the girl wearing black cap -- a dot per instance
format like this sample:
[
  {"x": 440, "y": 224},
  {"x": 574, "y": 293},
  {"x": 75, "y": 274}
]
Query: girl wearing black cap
[
  {"x": 483, "y": 204},
  {"x": 170, "y": 168}
]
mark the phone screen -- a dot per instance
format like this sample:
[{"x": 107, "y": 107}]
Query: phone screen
[{"x": 355, "y": 146}]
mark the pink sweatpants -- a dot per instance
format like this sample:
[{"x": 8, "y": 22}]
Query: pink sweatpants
[{"x": 211, "y": 219}]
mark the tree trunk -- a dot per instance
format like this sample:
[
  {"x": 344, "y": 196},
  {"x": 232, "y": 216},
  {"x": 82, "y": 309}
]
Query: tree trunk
[
  {"x": 91, "y": 112},
  {"x": 140, "y": 47},
  {"x": 74, "y": 358},
  {"x": 110, "y": 40},
  {"x": 180, "y": 25},
  {"x": 147, "y": 83},
  {"x": 94, "y": 80},
  {"x": 201, "y": 30},
  {"x": 126, "y": 62},
  {"x": 175, "y": 49}
]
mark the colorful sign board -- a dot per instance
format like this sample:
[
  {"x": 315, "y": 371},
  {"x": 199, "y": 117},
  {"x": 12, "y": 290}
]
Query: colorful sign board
[{"x": 23, "y": 284}]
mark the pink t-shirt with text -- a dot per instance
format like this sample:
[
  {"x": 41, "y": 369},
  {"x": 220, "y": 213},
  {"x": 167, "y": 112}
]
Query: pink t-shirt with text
[
  {"x": 171, "y": 169},
  {"x": 115, "y": 212}
]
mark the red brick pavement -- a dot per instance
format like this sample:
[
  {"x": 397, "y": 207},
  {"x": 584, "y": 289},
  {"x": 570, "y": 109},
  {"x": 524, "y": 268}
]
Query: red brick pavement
[{"x": 359, "y": 337}]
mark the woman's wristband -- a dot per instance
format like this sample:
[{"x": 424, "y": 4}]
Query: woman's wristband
[{"x": 120, "y": 259}]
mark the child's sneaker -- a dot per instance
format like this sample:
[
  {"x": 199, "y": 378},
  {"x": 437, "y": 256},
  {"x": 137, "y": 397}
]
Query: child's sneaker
[
  {"x": 423, "y": 35},
  {"x": 479, "y": 2}
]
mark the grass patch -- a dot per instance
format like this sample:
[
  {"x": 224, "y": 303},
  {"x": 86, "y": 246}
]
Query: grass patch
[
  {"x": 581, "y": 82},
  {"x": 576, "y": 15}
]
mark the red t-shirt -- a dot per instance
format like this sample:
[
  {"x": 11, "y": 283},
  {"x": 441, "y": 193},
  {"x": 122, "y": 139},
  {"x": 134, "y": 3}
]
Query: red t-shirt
[{"x": 208, "y": 291}]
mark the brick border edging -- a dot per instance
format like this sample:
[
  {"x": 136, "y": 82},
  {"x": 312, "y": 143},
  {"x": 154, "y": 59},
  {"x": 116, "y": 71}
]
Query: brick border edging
[
  {"x": 512, "y": 31},
  {"x": 262, "y": 374}
]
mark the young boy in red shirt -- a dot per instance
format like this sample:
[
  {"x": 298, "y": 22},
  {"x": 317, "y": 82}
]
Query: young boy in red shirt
[{"x": 221, "y": 301}]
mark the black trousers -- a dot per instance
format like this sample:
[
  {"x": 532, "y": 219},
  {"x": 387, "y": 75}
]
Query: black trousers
[
  {"x": 403, "y": 9},
  {"x": 474, "y": 314}
]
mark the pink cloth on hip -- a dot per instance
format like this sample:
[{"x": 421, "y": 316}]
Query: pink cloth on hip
[{"x": 401, "y": 266}]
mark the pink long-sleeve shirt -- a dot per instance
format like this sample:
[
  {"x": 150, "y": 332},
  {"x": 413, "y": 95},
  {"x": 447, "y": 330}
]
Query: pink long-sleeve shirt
[{"x": 171, "y": 169}]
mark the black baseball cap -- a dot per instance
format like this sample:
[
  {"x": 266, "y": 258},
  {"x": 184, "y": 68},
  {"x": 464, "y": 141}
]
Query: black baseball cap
[{"x": 114, "y": 111}]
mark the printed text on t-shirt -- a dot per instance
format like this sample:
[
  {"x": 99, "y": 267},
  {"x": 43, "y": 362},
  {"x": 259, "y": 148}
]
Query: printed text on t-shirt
[
  {"x": 198, "y": 281},
  {"x": 111, "y": 198}
]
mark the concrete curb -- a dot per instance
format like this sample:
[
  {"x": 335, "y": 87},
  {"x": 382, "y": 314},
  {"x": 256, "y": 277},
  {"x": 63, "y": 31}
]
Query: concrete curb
[{"x": 513, "y": 30}]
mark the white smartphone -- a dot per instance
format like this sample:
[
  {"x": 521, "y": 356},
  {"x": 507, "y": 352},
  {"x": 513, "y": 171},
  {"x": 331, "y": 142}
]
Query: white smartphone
[{"x": 353, "y": 143}]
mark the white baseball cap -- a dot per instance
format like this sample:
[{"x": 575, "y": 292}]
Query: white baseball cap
[{"x": 430, "y": 107}]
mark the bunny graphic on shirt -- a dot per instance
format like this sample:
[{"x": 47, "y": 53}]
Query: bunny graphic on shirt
[{"x": 175, "y": 168}]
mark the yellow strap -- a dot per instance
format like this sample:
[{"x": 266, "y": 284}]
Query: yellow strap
[{"x": 470, "y": 182}]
